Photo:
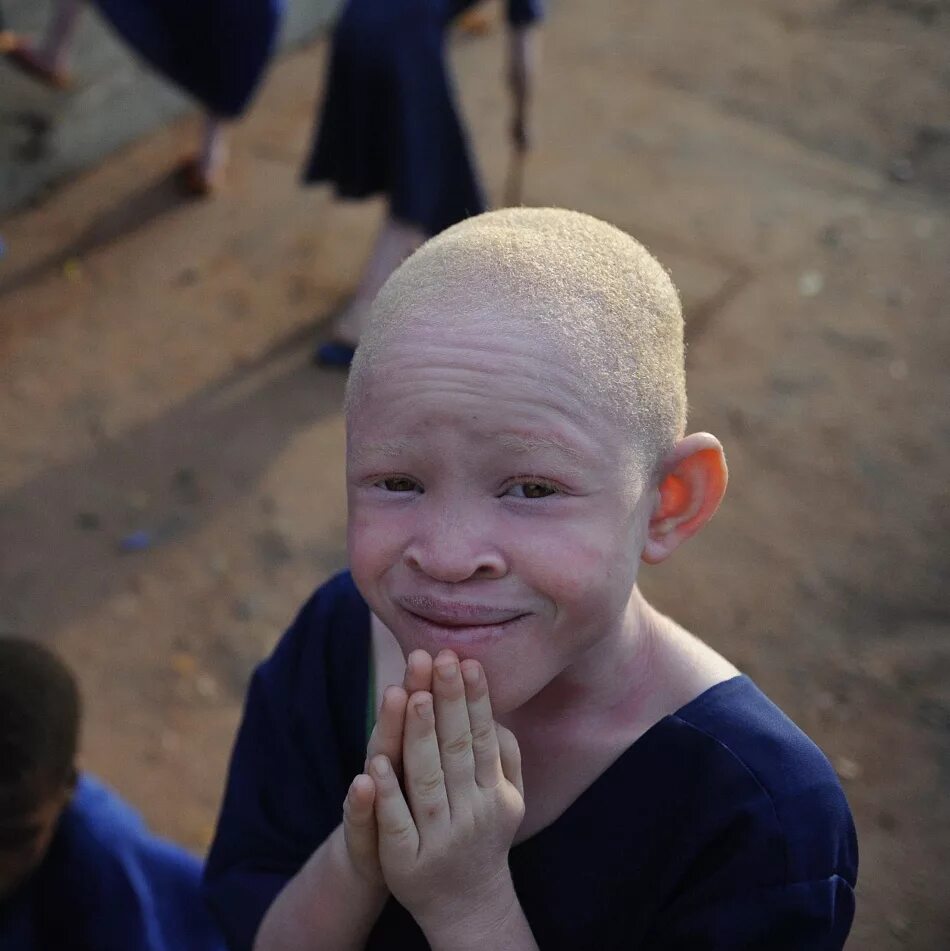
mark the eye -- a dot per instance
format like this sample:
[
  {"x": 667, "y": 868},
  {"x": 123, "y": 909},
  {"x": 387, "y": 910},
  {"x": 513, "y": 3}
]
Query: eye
[
  {"x": 532, "y": 490},
  {"x": 399, "y": 484}
]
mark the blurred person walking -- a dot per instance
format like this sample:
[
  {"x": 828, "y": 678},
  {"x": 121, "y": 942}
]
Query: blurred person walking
[
  {"x": 389, "y": 125},
  {"x": 216, "y": 50}
]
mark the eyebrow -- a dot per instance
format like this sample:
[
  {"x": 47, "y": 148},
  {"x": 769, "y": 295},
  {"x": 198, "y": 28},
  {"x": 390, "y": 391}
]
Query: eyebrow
[{"x": 534, "y": 442}]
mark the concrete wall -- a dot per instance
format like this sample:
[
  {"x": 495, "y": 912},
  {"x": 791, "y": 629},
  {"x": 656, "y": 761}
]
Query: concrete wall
[{"x": 47, "y": 135}]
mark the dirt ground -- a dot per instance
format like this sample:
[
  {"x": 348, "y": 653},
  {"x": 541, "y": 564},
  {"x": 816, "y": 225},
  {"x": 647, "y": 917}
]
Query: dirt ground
[{"x": 790, "y": 162}]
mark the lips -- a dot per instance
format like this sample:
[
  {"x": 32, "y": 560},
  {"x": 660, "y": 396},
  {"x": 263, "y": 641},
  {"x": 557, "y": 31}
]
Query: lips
[{"x": 457, "y": 614}]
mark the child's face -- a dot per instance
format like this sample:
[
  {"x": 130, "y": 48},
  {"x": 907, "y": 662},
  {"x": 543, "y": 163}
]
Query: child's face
[
  {"x": 491, "y": 509},
  {"x": 25, "y": 836}
]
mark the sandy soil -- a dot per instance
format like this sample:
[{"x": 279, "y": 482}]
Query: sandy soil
[{"x": 786, "y": 160}]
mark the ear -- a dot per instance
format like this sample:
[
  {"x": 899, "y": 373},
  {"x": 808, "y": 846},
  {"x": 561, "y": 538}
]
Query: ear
[{"x": 691, "y": 487}]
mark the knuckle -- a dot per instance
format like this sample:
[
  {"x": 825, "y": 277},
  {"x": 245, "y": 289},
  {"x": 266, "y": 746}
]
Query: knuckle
[
  {"x": 430, "y": 783},
  {"x": 460, "y": 745},
  {"x": 400, "y": 831},
  {"x": 483, "y": 736}
]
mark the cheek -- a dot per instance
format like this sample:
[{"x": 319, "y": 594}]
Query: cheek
[
  {"x": 375, "y": 538},
  {"x": 577, "y": 562}
]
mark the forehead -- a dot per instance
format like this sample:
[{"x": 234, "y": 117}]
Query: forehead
[
  {"x": 484, "y": 381},
  {"x": 482, "y": 361}
]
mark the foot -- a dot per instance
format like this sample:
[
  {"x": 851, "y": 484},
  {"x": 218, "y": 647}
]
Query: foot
[{"x": 34, "y": 64}]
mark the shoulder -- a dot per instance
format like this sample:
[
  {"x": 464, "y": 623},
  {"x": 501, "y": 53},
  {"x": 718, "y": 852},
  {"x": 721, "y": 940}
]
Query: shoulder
[
  {"x": 334, "y": 607},
  {"x": 98, "y": 821},
  {"x": 770, "y": 781}
]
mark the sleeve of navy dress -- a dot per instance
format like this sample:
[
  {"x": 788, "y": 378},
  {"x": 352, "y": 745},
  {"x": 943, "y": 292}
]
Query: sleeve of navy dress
[
  {"x": 301, "y": 741},
  {"x": 773, "y": 863},
  {"x": 216, "y": 50},
  {"x": 389, "y": 123}
]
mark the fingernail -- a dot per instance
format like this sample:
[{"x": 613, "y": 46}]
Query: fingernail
[
  {"x": 424, "y": 708},
  {"x": 446, "y": 672},
  {"x": 382, "y": 766},
  {"x": 470, "y": 675}
]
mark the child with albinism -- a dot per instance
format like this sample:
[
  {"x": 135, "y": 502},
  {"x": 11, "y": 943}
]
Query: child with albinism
[{"x": 554, "y": 763}]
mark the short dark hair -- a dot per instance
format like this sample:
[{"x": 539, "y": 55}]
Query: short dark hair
[{"x": 40, "y": 711}]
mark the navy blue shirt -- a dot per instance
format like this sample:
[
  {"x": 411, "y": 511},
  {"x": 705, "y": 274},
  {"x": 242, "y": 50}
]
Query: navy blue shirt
[
  {"x": 107, "y": 884},
  {"x": 722, "y": 827}
]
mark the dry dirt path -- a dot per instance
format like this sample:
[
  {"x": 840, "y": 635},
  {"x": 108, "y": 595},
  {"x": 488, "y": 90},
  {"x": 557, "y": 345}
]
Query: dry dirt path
[{"x": 155, "y": 377}]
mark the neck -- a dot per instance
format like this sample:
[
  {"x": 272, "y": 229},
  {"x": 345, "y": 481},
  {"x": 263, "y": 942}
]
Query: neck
[{"x": 616, "y": 677}]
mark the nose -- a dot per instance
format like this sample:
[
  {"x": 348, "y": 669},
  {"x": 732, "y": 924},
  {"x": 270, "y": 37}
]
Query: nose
[{"x": 453, "y": 544}]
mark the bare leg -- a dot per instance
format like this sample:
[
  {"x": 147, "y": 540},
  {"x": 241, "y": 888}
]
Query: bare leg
[
  {"x": 394, "y": 243},
  {"x": 214, "y": 147},
  {"x": 202, "y": 174}
]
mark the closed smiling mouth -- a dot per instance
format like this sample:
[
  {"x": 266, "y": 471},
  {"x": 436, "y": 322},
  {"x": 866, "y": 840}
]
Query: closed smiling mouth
[{"x": 457, "y": 613}]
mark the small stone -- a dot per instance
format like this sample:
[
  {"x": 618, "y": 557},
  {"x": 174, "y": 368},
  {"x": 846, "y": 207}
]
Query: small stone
[
  {"x": 206, "y": 686},
  {"x": 901, "y": 170},
  {"x": 899, "y": 925},
  {"x": 847, "y": 769},
  {"x": 88, "y": 521},
  {"x": 898, "y": 370},
  {"x": 811, "y": 283}
]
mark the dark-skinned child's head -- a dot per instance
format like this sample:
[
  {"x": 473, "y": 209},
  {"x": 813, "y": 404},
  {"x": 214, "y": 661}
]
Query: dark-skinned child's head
[
  {"x": 39, "y": 732},
  {"x": 515, "y": 443}
]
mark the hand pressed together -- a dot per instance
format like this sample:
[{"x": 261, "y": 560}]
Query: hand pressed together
[{"x": 436, "y": 815}]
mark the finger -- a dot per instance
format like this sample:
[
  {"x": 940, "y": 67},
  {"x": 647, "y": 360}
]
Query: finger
[
  {"x": 359, "y": 821},
  {"x": 510, "y": 757},
  {"x": 398, "y": 836},
  {"x": 423, "y": 778},
  {"x": 418, "y": 672},
  {"x": 453, "y": 730},
  {"x": 488, "y": 771},
  {"x": 386, "y": 738}
]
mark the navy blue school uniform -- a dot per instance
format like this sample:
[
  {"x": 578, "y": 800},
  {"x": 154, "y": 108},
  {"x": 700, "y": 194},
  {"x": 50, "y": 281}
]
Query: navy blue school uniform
[
  {"x": 216, "y": 50},
  {"x": 389, "y": 123},
  {"x": 722, "y": 827},
  {"x": 107, "y": 884}
]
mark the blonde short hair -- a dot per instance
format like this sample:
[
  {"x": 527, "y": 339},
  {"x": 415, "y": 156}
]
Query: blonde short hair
[{"x": 579, "y": 282}]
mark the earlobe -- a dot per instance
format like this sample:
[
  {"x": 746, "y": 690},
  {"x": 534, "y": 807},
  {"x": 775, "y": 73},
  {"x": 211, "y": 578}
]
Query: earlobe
[{"x": 689, "y": 493}]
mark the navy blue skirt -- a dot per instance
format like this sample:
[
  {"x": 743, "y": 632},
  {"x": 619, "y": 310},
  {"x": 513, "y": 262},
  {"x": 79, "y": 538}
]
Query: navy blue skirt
[
  {"x": 389, "y": 123},
  {"x": 216, "y": 50}
]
